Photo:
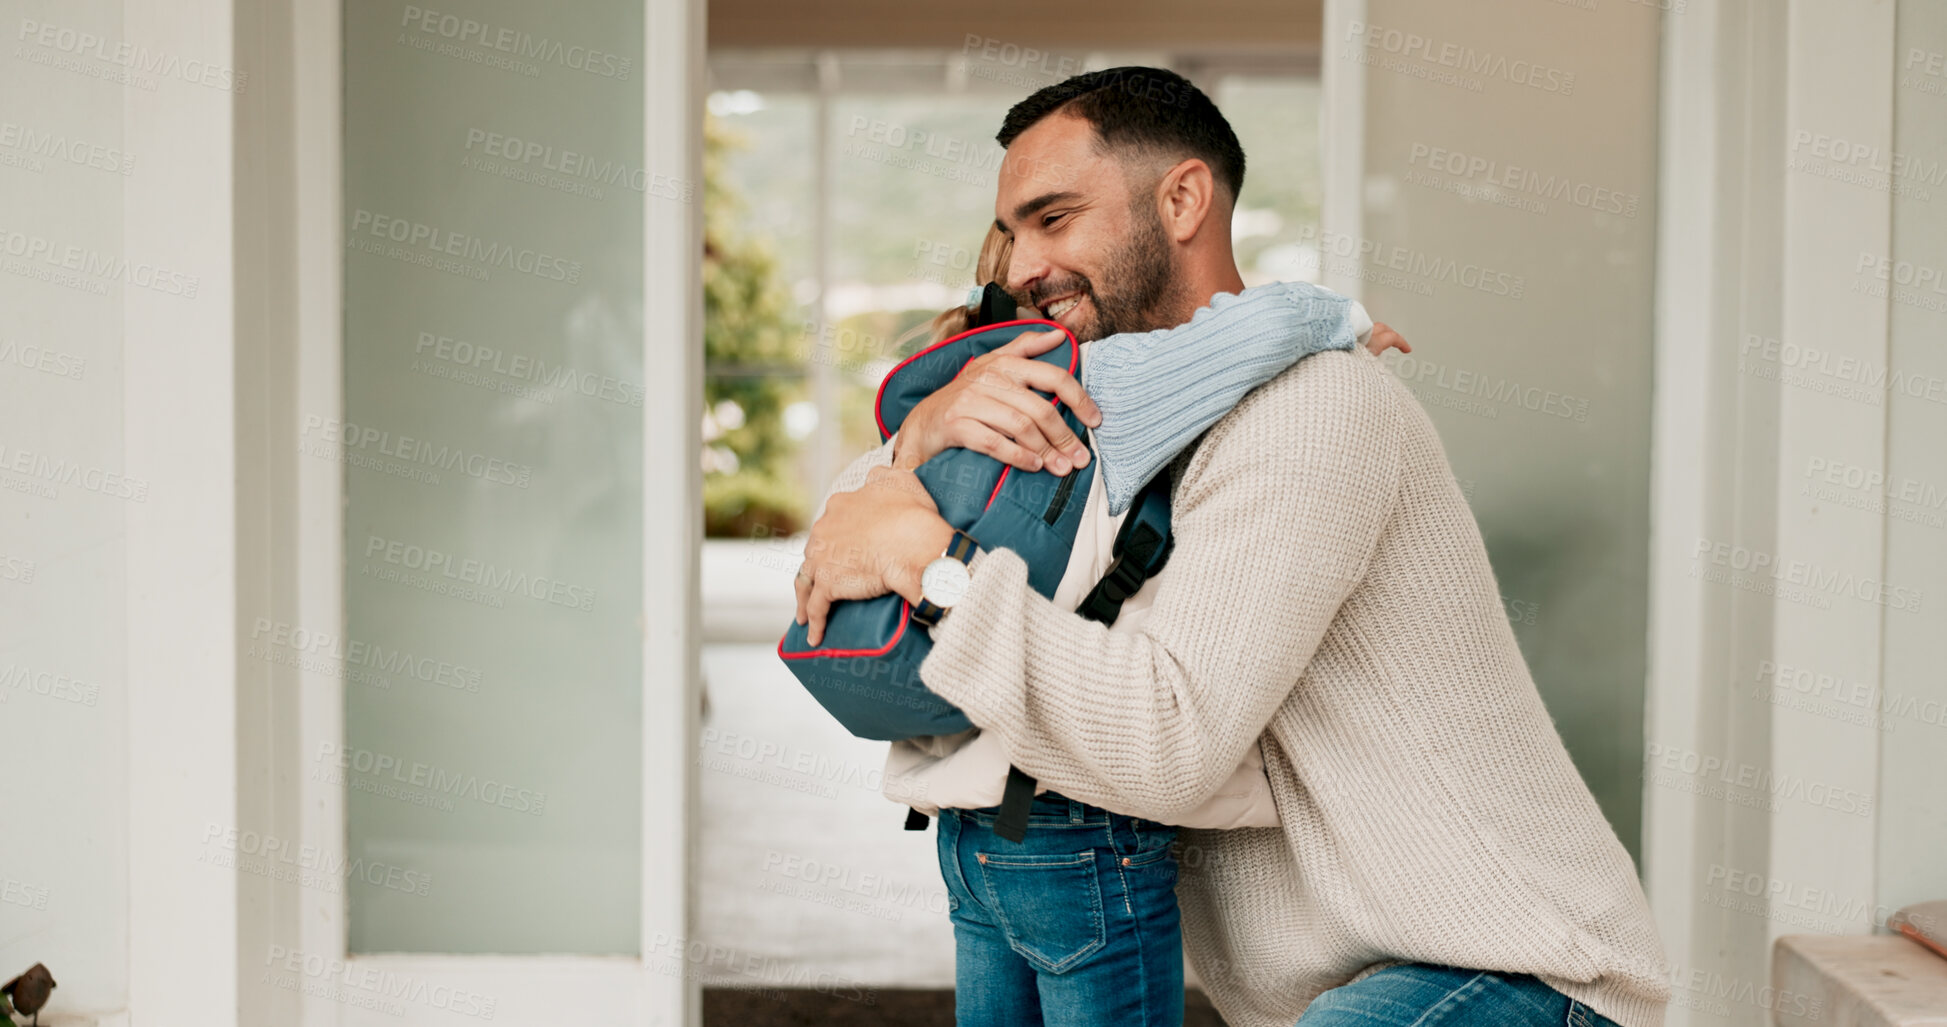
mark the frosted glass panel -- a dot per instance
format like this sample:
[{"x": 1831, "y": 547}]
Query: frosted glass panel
[
  {"x": 492, "y": 447},
  {"x": 1510, "y": 235},
  {"x": 1912, "y": 703}
]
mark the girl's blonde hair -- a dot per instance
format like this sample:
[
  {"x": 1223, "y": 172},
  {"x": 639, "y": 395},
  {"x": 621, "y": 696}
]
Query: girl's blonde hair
[{"x": 990, "y": 267}]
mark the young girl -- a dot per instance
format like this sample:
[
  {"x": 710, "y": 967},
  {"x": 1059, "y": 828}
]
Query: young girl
[{"x": 1077, "y": 924}]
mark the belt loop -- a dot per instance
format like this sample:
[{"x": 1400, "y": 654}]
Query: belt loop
[{"x": 1075, "y": 811}]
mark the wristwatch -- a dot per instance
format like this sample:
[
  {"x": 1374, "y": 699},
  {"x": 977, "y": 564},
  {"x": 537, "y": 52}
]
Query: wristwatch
[{"x": 945, "y": 579}]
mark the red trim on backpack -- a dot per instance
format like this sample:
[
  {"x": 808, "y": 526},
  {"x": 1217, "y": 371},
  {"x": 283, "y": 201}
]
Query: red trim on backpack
[
  {"x": 1074, "y": 355},
  {"x": 997, "y": 487},
  {"x": 905, "y": 614}
]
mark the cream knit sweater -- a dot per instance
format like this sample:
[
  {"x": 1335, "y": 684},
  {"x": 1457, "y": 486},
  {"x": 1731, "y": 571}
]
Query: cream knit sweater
[
  {"x": 1330, "y": 602},
  {"x": 968, "y": 770}
]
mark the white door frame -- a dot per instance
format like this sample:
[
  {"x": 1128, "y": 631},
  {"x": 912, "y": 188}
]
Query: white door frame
[
  {"x": 179, "y": 357},
  {"x": 1738, "y": 238},
  {"x": 1342, "y": 143},
  {"x": 1748, "y": 248},
  {"x": 196, "y": 936}
]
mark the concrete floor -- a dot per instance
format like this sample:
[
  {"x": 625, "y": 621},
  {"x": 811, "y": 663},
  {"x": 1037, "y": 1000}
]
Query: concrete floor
[
  {"x": 805, "y": 873},
  {"x": 821, "y": 909}
]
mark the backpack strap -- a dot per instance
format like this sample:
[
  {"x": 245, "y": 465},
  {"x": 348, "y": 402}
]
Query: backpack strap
[
  {"x": 1142, "y": 547},
  {"x": 995, "y": 306},
  {"x": 915, "y": 820},
  {"x": 1016, "y": 800}
]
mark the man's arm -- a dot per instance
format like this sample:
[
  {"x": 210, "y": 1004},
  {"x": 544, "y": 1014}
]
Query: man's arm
[{"x": 1276, "y": 517}]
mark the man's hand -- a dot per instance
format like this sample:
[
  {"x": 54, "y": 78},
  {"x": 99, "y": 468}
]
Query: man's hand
[
  {"x": 870, "y": 542},
  {"x": 990, "y": 409},
  {"x": 1384, "y": 338}
]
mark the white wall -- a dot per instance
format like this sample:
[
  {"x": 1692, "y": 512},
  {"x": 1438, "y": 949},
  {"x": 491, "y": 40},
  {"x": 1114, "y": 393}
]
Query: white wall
[
  {"x": 121, "y": 650},
  {"x": 1714, "y": 476},
  {"x": 151, "y": 511},
  {"x": 64, "y": 683},
  {"x": 1788, "y": 609},
  {"x": 1912, "y": 782}
]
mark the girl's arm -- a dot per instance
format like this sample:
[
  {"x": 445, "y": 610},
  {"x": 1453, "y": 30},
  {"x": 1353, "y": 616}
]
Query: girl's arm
[{"x": 1159, "y": 390}]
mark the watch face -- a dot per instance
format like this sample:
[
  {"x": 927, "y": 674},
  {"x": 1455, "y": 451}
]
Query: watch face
[{"x": 944, "y": 581}]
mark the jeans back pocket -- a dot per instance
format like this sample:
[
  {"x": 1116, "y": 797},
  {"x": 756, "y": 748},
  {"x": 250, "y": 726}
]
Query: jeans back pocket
[{"x": 1049, "y": 906}]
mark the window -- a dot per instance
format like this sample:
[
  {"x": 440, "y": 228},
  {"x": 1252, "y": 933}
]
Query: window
[{"x": 860, "y": 187}]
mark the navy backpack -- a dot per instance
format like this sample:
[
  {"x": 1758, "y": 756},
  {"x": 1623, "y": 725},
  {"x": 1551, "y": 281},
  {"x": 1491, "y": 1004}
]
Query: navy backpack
[{"x": 866, "y": 670}]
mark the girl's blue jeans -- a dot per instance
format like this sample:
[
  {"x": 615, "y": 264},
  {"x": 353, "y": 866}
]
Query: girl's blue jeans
[{"x": 1075, "y": 925}]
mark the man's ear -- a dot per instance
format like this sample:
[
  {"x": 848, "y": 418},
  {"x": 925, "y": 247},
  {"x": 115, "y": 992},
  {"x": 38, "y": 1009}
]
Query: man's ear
[{"x": 1185, "y": 199}]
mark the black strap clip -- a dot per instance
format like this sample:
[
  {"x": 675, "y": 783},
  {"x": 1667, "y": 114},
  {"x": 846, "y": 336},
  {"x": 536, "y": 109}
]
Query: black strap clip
[
  {"x": 1016, "y": 800},
  {"x": 1125, "y": 577}
]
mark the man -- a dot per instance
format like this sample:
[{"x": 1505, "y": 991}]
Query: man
[{"x": 1329, "y": 600}]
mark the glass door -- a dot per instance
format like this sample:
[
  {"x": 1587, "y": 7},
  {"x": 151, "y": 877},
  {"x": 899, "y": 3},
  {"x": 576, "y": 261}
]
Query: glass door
[
  {"x": 492, "y": 447},
  {"x": 509, "y": 458}
]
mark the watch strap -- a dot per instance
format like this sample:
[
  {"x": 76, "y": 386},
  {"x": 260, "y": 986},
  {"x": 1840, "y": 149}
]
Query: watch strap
[{"x": 961, "y": 547}]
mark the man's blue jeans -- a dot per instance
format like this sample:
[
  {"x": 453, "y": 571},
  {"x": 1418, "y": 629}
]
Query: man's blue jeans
[
  {"x": 1419, "y": 994},
  {"x": 1074, "y": 925}
]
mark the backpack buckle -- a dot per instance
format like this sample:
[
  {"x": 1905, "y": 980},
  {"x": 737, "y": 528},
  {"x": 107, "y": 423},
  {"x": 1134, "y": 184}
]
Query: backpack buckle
[{"x": 1123, "y": 580}]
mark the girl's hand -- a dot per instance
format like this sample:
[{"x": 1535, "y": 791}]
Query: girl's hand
[
  {"x": 991, "y": 408},
  {"x": 1384, "y": 338}
]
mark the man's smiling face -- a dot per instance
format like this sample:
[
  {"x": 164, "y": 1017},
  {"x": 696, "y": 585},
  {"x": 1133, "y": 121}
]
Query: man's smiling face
[{"x": 1089, "y": 250}]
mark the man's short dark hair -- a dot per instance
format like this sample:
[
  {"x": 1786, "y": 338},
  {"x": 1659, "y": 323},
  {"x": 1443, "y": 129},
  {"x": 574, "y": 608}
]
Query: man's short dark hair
[{"x": 1138, "y": 108}]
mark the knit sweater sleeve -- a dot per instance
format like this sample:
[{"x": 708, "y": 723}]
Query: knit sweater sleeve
[
  {"x": 1276, "y": 515},
  {"x": 852, "y": 478},
  {"x": 1159, "y": 390}
]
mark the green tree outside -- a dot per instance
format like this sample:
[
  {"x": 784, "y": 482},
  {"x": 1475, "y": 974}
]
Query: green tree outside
[{"x": 752, "y": 372}]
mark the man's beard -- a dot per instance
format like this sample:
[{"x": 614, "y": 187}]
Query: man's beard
[{"x": 1135, "y": 282}]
